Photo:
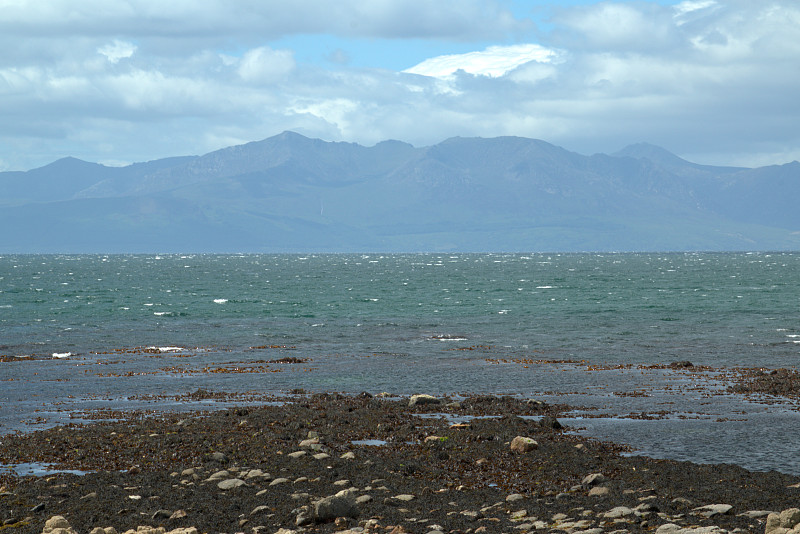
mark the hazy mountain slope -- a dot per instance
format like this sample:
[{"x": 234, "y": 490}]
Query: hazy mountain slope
[{"x": 291, "y": 193}]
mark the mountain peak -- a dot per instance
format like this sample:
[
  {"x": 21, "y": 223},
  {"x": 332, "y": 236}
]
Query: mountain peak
[{"x": 652, "y": 152}]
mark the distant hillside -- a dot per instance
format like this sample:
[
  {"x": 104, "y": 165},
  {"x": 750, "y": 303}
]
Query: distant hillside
[{"x": 290, "y": 193}]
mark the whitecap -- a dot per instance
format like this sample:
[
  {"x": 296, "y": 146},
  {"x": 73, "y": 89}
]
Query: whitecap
[
  {"x": 220, "y": 301},
  {"x": 545, "y": 287},
  {"x": 167, "y": 349},
  {"x": 62, "y": 355}
]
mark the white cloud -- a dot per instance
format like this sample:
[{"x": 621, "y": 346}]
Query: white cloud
[
  {"x": 493, "y": 62},
  {"x": 692, "y": 7},
  {"x": 117, "y": 50},
  {"x": 265, "y": 65},
  {"x": 125, "y": 81}
]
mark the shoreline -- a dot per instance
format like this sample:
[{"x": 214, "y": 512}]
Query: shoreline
[{"x": 446, "y": 464}]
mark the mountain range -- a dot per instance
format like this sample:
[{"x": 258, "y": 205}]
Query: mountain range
[{"x": 289, "y": 193}]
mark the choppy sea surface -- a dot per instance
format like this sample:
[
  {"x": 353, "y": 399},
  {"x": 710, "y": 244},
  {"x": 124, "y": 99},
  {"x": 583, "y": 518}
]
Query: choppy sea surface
[{"x": 94, "y": 332}]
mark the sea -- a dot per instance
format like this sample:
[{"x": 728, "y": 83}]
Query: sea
[{"x": 87, "y": 335}]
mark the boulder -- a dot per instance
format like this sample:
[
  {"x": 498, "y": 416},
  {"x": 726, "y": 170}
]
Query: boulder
[
  {"x": 788, "y": 521},
  {"x": 343, "y": 504},
  {"x": 57, "y": 524},
  {"x": 419, "y": 400},
  {"x": 523, "y": 444}
]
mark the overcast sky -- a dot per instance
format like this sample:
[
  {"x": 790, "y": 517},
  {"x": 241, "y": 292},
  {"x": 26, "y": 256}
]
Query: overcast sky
[{"x": 120, "y": 81}]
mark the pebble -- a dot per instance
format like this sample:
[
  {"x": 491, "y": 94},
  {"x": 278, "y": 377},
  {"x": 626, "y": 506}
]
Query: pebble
[
  {"x": 593, "y": 479},
  {"x": 711, "y": 510},
  {"x": 231, "y": 483},
  {"x": 617, "y": 512},
  {"x": 219, "y": 475}
]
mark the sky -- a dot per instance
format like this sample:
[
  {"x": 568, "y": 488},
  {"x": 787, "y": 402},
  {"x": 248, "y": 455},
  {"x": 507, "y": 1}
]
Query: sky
[{"x": 123, "y": 81}]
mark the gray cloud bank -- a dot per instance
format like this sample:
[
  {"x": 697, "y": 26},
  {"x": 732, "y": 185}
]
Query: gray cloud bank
[{"x": 121, "y": 81}]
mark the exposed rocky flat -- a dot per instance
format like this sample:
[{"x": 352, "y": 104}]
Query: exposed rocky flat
[{"x": 328, "y": 462}]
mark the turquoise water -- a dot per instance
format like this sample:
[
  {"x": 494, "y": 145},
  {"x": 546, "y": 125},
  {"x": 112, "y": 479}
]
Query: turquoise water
[{"x": 406, "y": 323}]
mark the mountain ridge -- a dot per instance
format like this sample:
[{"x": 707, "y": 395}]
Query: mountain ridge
[{"x": 291, "y": 193}]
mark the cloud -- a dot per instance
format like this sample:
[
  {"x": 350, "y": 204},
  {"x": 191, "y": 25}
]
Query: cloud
[
  {"x": 494, "y": 61},
  {"x": 137, "y": 80},
  {"x": 117, "y": 50},
  {"x": 265, "y": 65},
  {"x": 212, "y": 20}
]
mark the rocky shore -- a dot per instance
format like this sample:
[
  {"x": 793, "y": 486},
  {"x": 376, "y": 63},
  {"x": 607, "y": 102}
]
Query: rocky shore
[{"x": 335, "y": 463}]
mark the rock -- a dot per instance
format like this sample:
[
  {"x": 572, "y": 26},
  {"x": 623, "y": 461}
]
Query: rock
[
  {"x": 593, "y": 479},
  {"x": 161, "y": 514},
  {"x": 304, "y": 517},
  {"x": 309, "y": 442},
  {"x": 231, "y": 483},
  {"x": 297, "y": 454},
  {"x": 363, "y": 499},
  {"x": 523, "y": 444},
  {"x": 279, "y": 480},
  {"x": 219, "y": 457},
  {"x": 343, "y": 504},
  {"x": 711, "y": 510},
  {"x": 756, "y": 514},
  {"x": 57, "y": 525},
  {"x": 619, "y": 511},
  {"x": 419, "y": 400},
  {"x": 599, "y": 491},
  {"x": 549, "y": 422},
  {"x": 671, "y": 528},
  {"x": 219, "y": 475},
  {"x": 178, "y": 514},
  {"x": 790, "y": 518},
  {"x": 784, "y": 522},
  {"x": 348, "y": 456},
  {"x": 645, "y": 508}
]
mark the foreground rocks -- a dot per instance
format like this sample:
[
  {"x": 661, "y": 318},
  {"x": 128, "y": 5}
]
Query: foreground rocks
[{"x": 330, "y": 463}]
